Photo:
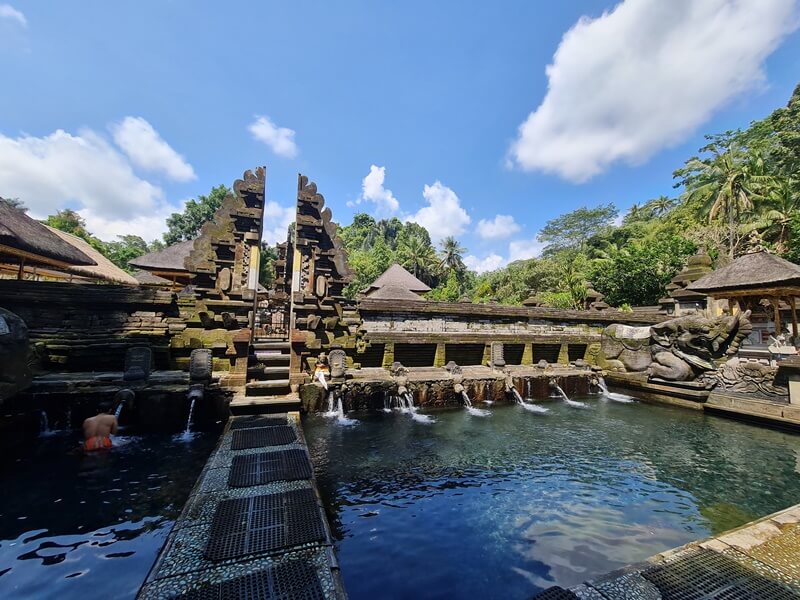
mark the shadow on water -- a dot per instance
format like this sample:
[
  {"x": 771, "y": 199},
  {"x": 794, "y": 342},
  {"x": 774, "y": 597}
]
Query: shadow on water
[
  {"x": 502, "y": 507},
  {"x": 78, "y": 526}
]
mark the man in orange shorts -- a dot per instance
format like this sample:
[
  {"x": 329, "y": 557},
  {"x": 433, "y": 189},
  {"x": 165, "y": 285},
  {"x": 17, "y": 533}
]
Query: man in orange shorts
[{"x": 97, "y": 430}]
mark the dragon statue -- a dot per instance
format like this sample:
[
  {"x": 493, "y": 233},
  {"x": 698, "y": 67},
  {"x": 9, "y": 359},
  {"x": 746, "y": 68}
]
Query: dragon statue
[{"x": 680, "y": 349}]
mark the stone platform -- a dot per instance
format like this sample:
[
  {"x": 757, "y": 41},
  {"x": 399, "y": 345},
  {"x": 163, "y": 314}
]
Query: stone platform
[
  {"x": 723, "y": 403},
  {"x": 254, "y": 523},
  {"x": 758, "y": 561},
  {"x": 434, "y": 386}
]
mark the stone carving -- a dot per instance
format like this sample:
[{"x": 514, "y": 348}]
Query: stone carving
[
  {"x": 746, "y": 377},
  {"x": 338, "y": 362},
  {"x": 676, "y": 350},
  {"x": 15, "y": 373}
]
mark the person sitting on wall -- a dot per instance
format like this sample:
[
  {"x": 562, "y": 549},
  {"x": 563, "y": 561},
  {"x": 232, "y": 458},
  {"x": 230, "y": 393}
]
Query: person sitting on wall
[{"x": 322, "y": 370}]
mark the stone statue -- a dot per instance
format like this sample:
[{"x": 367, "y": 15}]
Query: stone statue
[
  {"x": 676, "y": 350},
  {"x": 15, "y": 372}
]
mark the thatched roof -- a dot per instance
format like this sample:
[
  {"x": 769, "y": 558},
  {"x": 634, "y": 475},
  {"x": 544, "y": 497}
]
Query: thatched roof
[
  {"x": 19, "y": 231},
  {"x": 397, "y": 277},
  {"x": 751, "y": 271},
  {"x": 393, "y": 292},
  {"x": 145, "y": 278},
  {"x": 169, "y": 259},
  {"x": 103, "y": 269}
]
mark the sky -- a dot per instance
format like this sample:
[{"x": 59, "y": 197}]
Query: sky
[{"x": 481, "y": 120}]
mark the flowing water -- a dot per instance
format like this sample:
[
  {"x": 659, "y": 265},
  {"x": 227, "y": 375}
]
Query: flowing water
[
  {"x": 118, "y": 412},
  {"x": 44, "y": 425},
  {"x": 529, "y": 406},
  {"x": 475, "y": 412},
  {"x": 336, "y": 410},
  {"x": 187, "y": 433},
  {"x": 502, "y": 507},
  {"x": 90, "y": 526},
  {"x": 613, "y": 395},
  {"x": 566, "y": 399}
]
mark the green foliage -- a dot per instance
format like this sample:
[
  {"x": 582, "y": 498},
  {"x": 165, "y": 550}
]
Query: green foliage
[
  {"x": 126, "y": 248},
  {"x": 70, "y": 221},
  {"x": 448, "y": 292},
  {"x": 185, "y": 225},
  {"x": 15, "y": 203},
  {"x": 574, "y": 229},
  {"x": 638, "y": 274},
  {"x": 266, "y": 265}
]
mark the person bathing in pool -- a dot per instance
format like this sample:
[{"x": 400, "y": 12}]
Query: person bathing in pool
[{"x": 97, "y": 430}]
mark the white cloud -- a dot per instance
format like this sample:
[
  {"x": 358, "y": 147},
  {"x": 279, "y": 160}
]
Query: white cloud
[
  {"x": 502, "y": 226},
  {"x": 643, "y": 77},
  {"x": 444, "y": 214},
  {"x": 280, "y": 139},
  {"x": 148, "y": 150},
  {"x": 372, "y": 190},
  {"x": 9, "y": 12},
  {"x": 276, "y": 222},
  {"x": 84, "y": 170},
  {"x": 482, "y": 265},
  {"x": 149, "y": 226},
  {"x": 522, "y": 249}
]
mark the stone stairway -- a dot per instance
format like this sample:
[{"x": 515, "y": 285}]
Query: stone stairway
[{"x": 267, "y": 389}]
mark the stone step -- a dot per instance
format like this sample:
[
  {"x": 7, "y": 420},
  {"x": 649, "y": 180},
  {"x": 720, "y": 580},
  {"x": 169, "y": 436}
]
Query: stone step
[
  {"x": 270, "y": 357},
  {"x": 267, "y": 388},
  {"x": 263, "y": 372},
  {"x": 271, "y": 345},
  {"x": 264, "y": 405}
]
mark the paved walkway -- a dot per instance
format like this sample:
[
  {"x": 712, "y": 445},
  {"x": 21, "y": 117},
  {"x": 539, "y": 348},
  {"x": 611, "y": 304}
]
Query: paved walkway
[
  {"x": 758, "y": 561},
  {"x": 254, "y": 525}
]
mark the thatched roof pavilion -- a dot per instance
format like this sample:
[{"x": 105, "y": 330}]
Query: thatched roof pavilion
[
  {"x": 103, "y": 269},
  {"x": 167, "y": 263},
  {"x": 398, "y": 284},
  {"x": 753, "y": 277},
  {"x": 25, "y": 241}
]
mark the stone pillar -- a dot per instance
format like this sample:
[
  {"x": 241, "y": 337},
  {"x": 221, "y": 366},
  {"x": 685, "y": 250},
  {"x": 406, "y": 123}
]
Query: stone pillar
[
  {"x": 388, "y": 354},
  {"x": 527, "y": 354},
  {"x": 563, "y": 354},
  {"x": 487, "y": 355},
  {"x": 439, "y": 359}
]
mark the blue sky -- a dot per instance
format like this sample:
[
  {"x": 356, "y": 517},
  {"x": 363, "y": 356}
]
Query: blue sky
[{"x": 123, "y": 110}]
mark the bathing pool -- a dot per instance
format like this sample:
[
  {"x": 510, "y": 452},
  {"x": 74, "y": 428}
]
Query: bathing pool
[
  {"x": 504, "y": 505},
  {"x": 75, "y": 526}
]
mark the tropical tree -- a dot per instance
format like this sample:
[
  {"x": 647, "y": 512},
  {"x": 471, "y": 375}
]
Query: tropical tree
[
  {"x": 452, "y": 256},
  {"x": 725, "y": 185},
  {"x": 780, "y": 204},
  {"x": 419, "y": 257},
  {"x": 574, "y": 229},
  {"x": 185, "y": 225},
  {"x": 660, "y": 206}
]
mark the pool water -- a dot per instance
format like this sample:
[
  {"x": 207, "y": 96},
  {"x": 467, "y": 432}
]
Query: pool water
[
  {"x": 91, "y": 526},
  {"x": 503, "y": 506}
]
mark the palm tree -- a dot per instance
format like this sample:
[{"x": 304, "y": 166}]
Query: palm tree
[
  {"x": 660, "y": 206},
  {"x": 452, "y": 256},
  {"x": 726, "y": 184},
  {"x": 414, "y": 254},
  {"x": 780, "y": 205}
]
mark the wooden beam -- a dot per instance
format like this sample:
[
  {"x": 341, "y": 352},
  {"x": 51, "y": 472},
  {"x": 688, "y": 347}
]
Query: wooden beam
[
  {"x": 21, "y": 271},
  {"x": 777, "y": 314},
  {"x": 794, "y": 318}
]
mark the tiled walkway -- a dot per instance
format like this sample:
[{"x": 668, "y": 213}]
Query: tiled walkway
[
  {"x": 268, "y": 540},
  {"x": 758, "y": 561}
]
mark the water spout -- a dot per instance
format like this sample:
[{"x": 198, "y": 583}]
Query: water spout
[
  {"x": 475, "y": 412},
  {"x": 44, "y": 425},
  {"x": 624, "y": 398},
  {"x": 406, "y": 402},
  {"x": 336, "y": 409},
  {"x": 563, "y": 394},
  {"x": 534, "y": 408}
]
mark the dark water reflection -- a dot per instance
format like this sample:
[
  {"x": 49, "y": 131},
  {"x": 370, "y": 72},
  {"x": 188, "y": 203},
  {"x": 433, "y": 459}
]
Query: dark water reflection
[
  {"x": 75, "y": 526},
  {"x": 502, "y": 506}
]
